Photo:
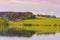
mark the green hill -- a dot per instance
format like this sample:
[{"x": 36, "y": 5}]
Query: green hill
[{"x": 40, "y": 24}]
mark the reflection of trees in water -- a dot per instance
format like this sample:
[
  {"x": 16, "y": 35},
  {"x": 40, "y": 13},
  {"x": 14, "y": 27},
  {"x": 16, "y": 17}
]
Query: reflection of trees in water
[
  {"x": 46, "y": 33},
  {"x": 14, "y": 32},
  {"x": 21, "y": 32}
]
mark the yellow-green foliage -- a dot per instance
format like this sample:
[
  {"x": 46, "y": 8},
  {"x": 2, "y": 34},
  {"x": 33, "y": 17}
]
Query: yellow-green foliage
[
  {"x": 2, "y": 23},
  {"x": 40, "y": 21}
]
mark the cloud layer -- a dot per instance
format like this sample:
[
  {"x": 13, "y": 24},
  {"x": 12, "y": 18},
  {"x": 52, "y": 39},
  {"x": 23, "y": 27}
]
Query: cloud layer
[{"x": 30, "y": 5}]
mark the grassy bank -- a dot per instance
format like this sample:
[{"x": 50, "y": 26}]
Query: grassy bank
[{"x": 40, "y": 24}]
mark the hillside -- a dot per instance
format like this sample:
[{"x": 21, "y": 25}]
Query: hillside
[
  {"x": 40, "y": 24},
  {"x": 12, "y": 16},
  {"x": 30, "y": 24}
]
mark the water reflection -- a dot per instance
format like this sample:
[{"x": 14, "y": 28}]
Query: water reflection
[{"x": 34, "y": 37}]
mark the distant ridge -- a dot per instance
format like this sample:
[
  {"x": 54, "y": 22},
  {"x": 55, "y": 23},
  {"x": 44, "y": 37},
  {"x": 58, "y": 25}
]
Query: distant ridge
[{"x": 15, "y": 15}]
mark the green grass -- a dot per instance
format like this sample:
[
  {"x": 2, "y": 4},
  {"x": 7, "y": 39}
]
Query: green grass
[{"x": 39, "y": 20}]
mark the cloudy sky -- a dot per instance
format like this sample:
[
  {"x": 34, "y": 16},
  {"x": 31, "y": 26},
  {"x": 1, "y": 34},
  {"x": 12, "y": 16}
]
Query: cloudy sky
[{"x": 51, "y": 7}]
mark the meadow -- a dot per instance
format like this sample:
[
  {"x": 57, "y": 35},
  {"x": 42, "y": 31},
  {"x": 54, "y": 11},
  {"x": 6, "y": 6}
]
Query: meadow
[
  {"x": 27, "y": 24},
  {"x": 40, "y": 24}
]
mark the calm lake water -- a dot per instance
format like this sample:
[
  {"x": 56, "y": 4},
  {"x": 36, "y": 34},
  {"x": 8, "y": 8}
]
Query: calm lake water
[{"x": 34, "y": 37}]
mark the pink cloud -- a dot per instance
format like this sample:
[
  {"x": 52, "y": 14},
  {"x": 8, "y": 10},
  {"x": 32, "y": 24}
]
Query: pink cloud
[
  {"x": 54, "y": 1},
  {"x": 49, "y": 4},
  {"x": 40, "y": 4}
]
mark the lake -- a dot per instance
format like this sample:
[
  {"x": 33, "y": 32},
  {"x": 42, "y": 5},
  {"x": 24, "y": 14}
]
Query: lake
[{"x": 34, "y": 37}]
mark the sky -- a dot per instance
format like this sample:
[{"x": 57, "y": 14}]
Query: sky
[{"x": 51, "y": 7}]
